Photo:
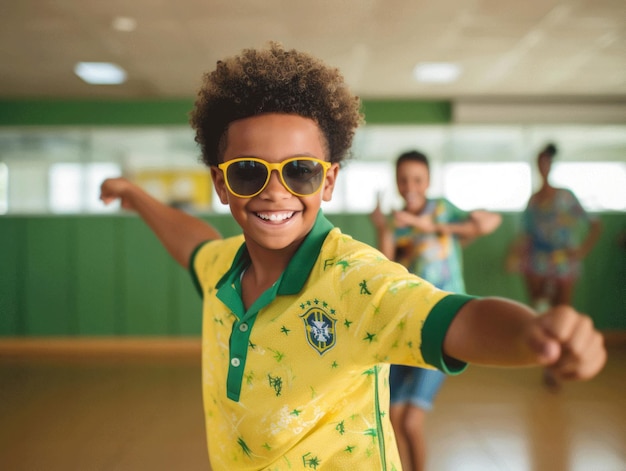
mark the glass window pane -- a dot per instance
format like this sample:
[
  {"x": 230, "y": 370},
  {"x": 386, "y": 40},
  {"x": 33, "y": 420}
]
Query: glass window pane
[
  {"x": 598, "y": 185},
  {"x": 485, "y": 144},
  {"x": 28, "y": 187},
  {"x": 386, "y": 143},
  {"x": 364, "y": 181},
  {"x": 4, "y": 188},
  {"x": 495, "y": 185},
  {"x": 65, "y": 188}
]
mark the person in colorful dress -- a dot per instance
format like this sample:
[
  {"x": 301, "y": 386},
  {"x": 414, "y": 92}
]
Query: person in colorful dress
[
  {"x": 426, "y": 238},
  {"x": 551, "y": 251},
  {"x": 301, "y": 321}
]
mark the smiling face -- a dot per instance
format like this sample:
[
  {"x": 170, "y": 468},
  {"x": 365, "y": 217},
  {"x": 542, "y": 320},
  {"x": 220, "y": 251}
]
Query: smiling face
[
  {"x": 413, "y": 180},
  {"x": 275, "y": 219}
]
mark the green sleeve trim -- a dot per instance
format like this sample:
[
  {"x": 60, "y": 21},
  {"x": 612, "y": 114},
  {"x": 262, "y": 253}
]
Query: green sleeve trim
[
  {"x": 435, "y": 329},
  {"x": 194, "y": 275}
]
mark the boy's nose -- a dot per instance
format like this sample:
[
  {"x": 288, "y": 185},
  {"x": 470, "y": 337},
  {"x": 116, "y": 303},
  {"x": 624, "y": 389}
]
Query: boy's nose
[{"x": 275, "y": 185}]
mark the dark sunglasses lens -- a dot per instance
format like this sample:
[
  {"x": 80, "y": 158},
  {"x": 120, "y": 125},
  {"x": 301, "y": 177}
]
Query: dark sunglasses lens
[
  {"x": 303, "y": 176},
  {"x": 246, "y": 177}
]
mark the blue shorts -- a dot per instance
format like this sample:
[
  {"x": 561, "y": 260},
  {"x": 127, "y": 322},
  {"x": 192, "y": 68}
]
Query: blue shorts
[{"x": 416, "y": 386}]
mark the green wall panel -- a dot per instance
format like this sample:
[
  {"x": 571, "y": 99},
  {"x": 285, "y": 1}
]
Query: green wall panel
[
  {"x": 356, "y": 225},
  {"x": 602, "y": 289},
  {"x": 187, "y": 308},
  {"x": 484, "y": 263},
  {"x": 11, "y": 276},
  {"x": 49, "y": 277},
  {"x": 146, "y": 277},
  {"x": 98, "y": 283}
]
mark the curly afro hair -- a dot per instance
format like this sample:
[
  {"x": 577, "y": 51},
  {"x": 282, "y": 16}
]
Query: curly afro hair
[{"x": 274, "y": 80}]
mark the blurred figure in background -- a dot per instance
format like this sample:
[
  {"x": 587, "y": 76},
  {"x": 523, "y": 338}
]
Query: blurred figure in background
[
  {"x": 425, "y": 237},
  {"x": 549, "y": 253}
]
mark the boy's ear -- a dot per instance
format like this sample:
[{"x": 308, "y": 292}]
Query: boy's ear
[
  {"x": 220, "y": 185},
  {"x": 329, "y": 183}
]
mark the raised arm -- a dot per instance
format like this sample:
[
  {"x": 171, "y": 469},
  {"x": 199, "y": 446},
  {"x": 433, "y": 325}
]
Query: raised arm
[
  {"x": 384, "y": 233},
  {"x": 179, "y": 232},
  {"x": 499, "y": 332}
]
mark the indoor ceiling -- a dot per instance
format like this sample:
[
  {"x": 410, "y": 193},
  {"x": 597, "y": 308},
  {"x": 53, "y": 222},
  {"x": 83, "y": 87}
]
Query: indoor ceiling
[{"x": 560, "y": 49}]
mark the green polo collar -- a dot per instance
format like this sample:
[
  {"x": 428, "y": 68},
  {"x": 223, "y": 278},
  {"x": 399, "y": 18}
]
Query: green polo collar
[
  {"x": 301, "y": 264},
  {"x": 303, "y": 260}
]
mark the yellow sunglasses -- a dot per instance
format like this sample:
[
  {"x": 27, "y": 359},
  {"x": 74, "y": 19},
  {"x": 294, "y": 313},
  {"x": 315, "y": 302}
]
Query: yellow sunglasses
[{"x": 248, "y": 176}]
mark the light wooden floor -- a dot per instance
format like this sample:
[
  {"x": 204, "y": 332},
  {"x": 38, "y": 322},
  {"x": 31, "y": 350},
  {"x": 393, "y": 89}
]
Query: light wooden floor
[{"x": 131, "y": 413}]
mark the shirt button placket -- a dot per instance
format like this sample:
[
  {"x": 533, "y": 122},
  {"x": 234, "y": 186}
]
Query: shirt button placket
[{"x": 235, "y": 361}]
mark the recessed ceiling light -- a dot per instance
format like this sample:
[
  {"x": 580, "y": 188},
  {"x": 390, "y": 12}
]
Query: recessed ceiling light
[
  {"x": 436, "y": 72},
  {"x": 124, "y": 23},
  {"x": 100, "y": 73}
]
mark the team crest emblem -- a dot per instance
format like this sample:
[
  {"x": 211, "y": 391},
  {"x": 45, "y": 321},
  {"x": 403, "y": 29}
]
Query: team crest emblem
[{"x": 320, "y": 329}]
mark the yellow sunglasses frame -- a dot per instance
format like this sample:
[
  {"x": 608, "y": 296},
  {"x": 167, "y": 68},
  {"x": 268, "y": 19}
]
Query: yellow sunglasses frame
[{"x": 271, "y": 167}]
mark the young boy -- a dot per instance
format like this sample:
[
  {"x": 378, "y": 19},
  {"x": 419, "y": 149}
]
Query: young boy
[
  {"x": 425, "y": 236},
  {"x": 300, "y": 320}
]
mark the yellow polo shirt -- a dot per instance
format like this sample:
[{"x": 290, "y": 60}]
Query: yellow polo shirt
[{"x": 300, "y": 380}]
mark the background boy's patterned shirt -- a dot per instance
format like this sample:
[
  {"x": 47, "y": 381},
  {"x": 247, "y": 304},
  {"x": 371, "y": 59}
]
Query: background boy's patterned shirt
[{"x": 432, "y": 256}]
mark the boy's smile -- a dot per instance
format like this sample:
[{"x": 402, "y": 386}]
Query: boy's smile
[{"x": 275, "y": 219}]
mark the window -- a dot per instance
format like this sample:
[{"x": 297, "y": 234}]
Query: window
[
  {"x": 75, "y": 187},
  {"x": 4, "y": 188},
  {"x": 599, "y": 186},
  {"x": 359, "y": 184},
  {"x": 498, "y": 186},
  {"x": 60, "y": 170}
]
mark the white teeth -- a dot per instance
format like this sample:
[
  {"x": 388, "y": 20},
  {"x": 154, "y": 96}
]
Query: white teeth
[{"x": 275, "y": 217}]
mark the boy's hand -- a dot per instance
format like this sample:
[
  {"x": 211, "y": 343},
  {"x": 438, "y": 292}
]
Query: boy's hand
[
  {"x": 567, "y": 344},
  {"x": 378, "y": 218},
  {"x": 117, "y": 188}
]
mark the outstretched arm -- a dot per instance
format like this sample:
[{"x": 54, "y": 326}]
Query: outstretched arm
[
  {"x": 499, "y": 332},
  {"x": 179, "y": 232},
  {"x": 480, "y": 223}
]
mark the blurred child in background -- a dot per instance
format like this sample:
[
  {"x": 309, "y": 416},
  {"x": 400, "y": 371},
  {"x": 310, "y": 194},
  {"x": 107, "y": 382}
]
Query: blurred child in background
[
  {"x": 549, "y": 250},
  {"x": 426, "y": 237}
]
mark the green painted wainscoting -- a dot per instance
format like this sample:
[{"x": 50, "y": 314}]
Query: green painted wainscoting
[{"x": 109, "y": 276}]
